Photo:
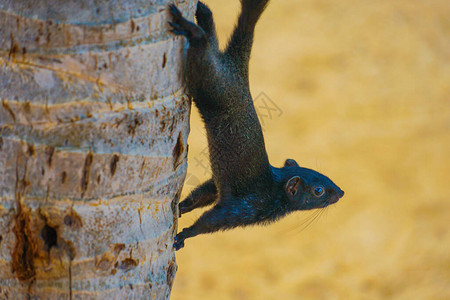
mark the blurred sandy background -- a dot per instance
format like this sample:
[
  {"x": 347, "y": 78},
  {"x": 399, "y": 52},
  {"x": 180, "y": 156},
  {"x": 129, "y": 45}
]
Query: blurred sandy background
[{"x": 363, "y": 89}]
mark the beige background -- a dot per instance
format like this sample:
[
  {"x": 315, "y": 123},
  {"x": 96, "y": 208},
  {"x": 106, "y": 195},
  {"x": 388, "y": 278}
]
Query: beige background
[{"x": 364, "y": 90}]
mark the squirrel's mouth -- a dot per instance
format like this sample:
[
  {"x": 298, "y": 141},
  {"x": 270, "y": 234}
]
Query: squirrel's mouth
[{"x": 333, "y": 199}]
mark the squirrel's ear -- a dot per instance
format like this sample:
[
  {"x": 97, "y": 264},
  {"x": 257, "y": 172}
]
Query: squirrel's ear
[
  {"x": 290, "y": 163},
  {"x": 292, "y": 186}
]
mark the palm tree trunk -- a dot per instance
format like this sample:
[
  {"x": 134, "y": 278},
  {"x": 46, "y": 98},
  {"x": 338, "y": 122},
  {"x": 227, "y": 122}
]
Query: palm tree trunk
[{"x": 93, "y": 133}]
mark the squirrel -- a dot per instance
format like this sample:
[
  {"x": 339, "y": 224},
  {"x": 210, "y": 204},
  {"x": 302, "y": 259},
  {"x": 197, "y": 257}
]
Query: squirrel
[{"x": 245, "y": 188}]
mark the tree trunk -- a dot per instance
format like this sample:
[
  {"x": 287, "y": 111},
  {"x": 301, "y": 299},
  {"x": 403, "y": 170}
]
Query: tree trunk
[{"x": 93, "y": 132}]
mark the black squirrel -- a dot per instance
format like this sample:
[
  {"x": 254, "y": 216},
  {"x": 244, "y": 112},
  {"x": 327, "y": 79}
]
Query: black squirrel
[{"x": 245, "y": 187}]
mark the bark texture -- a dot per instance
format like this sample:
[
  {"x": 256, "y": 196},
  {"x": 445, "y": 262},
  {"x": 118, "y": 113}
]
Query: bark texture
[{"x": 93, "y": 135}]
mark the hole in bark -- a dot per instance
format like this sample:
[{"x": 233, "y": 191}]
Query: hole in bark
[
  {"x": 49, "y": 235},
  {"x": 9, "y": 110},
  {"x": 177, "y": 151},
  {"x": 113, "y": 164},
  {"x": 63, "y": 177},
  {"x": 127, "y": 264},
  {"x": 132, "y": 25},
  {"x": 133, "y": 123},
  {"x": 30, "y": 150},
  {"x": 1, "y": 143},
  {"x": 164, "y": 61},
  {"x": 13, "y": 50},
  {"x": 50, "y": 151},
  {"x": 174, "y": 205},
  {"x": 73, "y": 220},
  {"x": 86, "y": 173},
  {"x": 118, "y": 248},
  {"x": 68, "y": 220},
  {"x": 27, "y": 107},
  {"x": 171, "y": 270},
  {"x": 23, "y": 254}
]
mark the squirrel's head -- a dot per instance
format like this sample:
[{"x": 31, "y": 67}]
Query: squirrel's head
[{"x": 307, "y": 189}]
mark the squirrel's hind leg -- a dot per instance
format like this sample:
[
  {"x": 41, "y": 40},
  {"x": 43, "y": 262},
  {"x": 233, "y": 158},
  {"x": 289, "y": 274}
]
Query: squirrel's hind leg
[
  {"x": 205, "y": 20},
  {"x": 181, "y": 26}
]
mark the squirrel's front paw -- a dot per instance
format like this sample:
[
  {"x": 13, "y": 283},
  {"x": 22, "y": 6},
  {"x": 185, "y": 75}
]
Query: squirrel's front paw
[
  {"x": 178, "y": 243},
  {"x": 185, "y": 206}
]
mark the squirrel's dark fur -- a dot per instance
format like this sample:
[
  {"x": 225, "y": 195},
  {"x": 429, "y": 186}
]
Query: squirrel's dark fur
[{"x": 246, "y": 189}]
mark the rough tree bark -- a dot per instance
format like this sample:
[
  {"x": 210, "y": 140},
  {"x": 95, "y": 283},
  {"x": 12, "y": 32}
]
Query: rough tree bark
[{"x": 93, "y": 132}]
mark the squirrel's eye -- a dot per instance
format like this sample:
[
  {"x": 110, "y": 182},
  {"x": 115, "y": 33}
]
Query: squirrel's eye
[{"x": 319, "y": 191}]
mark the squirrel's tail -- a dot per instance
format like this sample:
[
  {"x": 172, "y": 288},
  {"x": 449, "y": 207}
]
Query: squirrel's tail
[{"x": 240, "y": 44}]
